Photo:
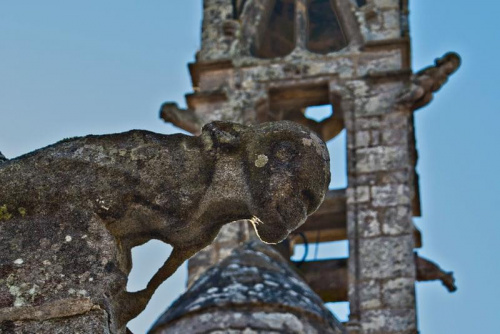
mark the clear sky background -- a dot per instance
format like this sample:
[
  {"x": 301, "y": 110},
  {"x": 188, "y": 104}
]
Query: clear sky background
[{"x": 74, "y": 68}]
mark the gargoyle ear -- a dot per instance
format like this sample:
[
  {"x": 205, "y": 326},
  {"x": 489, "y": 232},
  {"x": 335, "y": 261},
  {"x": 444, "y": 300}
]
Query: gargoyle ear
[{"x": 222, "y": 135}]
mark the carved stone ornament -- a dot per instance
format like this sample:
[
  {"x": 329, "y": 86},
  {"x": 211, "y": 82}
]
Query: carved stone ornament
[{"x": 70, "y": 213}]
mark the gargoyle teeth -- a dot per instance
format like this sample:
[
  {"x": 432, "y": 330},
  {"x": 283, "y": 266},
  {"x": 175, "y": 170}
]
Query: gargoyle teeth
[{"x": 256, "y": 221}]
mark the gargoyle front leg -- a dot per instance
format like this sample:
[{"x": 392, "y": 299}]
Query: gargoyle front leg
[{"x": 128, "y": 305}]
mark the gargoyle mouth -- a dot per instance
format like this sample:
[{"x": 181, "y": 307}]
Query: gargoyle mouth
[
  {"x": 285, "y": 217},
  {"x": 270, "y": 232}
]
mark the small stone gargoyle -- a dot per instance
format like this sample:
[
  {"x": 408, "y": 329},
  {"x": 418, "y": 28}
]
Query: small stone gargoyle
[{"x": 73, "y": 211}]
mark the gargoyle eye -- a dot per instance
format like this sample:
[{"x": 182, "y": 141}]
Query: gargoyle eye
[{"x": 285, "y": 151}]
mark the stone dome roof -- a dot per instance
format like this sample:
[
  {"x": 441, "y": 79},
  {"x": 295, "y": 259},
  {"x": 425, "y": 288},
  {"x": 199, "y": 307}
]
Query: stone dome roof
[{"x": 252, "y": 290}]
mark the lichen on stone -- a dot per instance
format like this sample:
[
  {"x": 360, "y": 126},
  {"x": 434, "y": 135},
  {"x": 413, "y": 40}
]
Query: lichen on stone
[
  {"x": 261, "y": 160},
  {"x": 4, "y": 213},
  {"x": 22, "y": 211}
]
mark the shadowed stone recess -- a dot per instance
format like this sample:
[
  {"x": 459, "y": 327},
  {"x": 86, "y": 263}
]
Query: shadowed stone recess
[{"x": 253, "y": 289}]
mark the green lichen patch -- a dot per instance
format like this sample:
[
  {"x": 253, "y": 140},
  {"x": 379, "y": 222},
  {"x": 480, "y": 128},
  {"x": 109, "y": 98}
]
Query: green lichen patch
[
  {"x": 4, "y": 213},
  {"x": 261, "y": 160},
  {"x": 22, "y": 211}
]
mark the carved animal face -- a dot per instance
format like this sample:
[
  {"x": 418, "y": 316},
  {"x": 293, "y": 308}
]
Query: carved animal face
[{"x": 289, "y": 172}]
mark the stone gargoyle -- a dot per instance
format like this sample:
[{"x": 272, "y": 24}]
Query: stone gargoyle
[
  {"x": 426, "y": 82},
  {"x": 70, "y": 213}
]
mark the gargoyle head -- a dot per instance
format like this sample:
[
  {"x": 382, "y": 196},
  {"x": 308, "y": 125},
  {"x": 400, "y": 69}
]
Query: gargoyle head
[
  {"x": 286, "y": 169},
  {"x": 289, "y": 173}
]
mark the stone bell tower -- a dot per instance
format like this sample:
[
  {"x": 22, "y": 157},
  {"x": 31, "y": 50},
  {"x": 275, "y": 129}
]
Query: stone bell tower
[{"x": 266, "y": 60}]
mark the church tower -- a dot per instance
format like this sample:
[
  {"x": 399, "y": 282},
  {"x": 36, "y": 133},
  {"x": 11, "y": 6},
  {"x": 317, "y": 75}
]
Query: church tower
[{"x": 268, "y": 60}]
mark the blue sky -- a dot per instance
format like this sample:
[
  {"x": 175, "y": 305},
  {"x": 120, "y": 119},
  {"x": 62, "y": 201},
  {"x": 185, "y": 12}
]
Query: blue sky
[{"x": 73, "y": 68}]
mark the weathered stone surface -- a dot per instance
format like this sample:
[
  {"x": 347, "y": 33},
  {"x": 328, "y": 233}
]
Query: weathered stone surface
[
  {"x": 374, "y": 138},
  {"x": 381, "y": 158},
  {"x": 366, "y": 123},
  {"x": 383, "y": 178},
  {"x": 376, "y": 100},
  {"x": 92, "y": 322},
  {"x": 395, "y": 137},
  {"x": 56, "y": 309},
  {"x": 399, "y": 293},
  {"x": 71, "y": 212},
  {"x": 395, "y": 120},
  {"x": 389, "y": 321},
  {"x": 362, "y": 139},
  {"x": 253, "y": 289},
  {"x": 369, "y": 225},
  {"x": 371, "y": 64},
  {"x": 396, "y": 220},
  {"x": 215, "y": 43},
  {"x": 370, "y": 295},
  {"x": 358, "y": 195},
  {"x": 390, "y": 195},
  {"x": 386, "y": 257},
  {"x": 242, "y": 321}
]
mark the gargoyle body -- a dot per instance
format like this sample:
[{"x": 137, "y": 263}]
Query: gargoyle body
[
  {"x": 429, "y": 80},
  {"x": 430, "y": 271},
  {"x": 74, "y": 210}
]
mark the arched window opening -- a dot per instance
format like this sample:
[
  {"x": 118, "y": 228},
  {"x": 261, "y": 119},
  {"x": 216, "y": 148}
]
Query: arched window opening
[
  {"x": 324, "y": 31},
  {"x": 277, "y": 39}
]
